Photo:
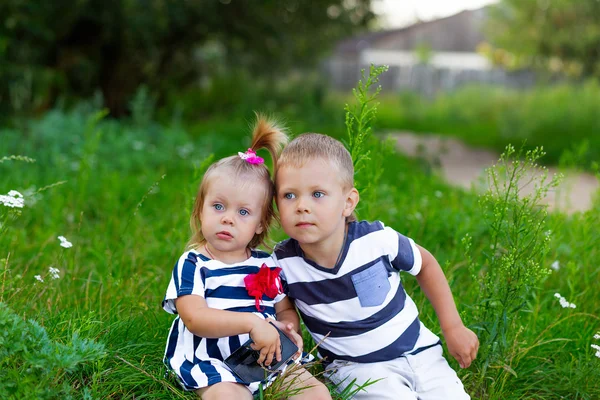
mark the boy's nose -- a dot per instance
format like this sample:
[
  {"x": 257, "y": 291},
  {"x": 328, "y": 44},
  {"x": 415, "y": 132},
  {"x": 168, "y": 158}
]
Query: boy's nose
[{"x": 302, "y": 208}]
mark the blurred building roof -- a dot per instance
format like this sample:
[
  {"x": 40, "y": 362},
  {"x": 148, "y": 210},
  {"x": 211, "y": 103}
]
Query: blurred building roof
[{"x": 460, "y": 32}]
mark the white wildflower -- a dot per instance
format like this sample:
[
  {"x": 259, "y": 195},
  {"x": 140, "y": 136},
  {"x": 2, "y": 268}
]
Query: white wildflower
[
  {"x": 597, "y": 336},
  {"x": 563, "y": 302},
  {"x": 54, "y": 272},
  {"x": 64, "y": 242},
  {"x": 438, "y": 194},
  {"x": 597, "y": 348},
  {"x": 555, "y": 265},
  {"x": 13, "y": 199},
  {"x": 39, "y": 278}
]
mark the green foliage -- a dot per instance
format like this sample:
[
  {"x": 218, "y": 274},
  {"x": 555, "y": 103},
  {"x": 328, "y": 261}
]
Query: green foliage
[
  {"x": 509, "y": 272},
  {"x": 351, "y": 389},
  {"x": 360, "y": 144},
  {"x": 76, "y": 49},
  {"x": 556, "y": 35},
  {"x": 360, "y": 117},
  {"x": 32, "y": 365},
  {"x": 236, "y": 93}
]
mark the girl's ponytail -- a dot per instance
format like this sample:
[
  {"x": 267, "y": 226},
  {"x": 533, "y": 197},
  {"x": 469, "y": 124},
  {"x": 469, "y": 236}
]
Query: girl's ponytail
[{"x": 268, "y": 134}]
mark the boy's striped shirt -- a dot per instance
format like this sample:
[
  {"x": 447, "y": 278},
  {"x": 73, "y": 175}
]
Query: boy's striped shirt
[{"x": 361, "y": 302}]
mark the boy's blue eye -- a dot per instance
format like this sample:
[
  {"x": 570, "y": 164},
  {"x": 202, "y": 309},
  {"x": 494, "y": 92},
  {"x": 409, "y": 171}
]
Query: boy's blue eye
[
  {"x": 318, "y": 194},
  {"x": 244, "y": 212},
  {"x": 289, "y": 195},
  {"x": 218, "y": 207}
]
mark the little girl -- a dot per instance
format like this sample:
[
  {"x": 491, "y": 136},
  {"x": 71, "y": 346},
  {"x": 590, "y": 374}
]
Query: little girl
[{"x": 216, "y": 312}]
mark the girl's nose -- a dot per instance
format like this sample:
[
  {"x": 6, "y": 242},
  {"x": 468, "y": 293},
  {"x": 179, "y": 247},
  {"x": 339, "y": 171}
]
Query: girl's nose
[{"x": 227, "y": 220}]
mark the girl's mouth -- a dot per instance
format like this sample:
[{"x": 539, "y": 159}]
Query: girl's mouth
[{"x": 224, "y": 235}]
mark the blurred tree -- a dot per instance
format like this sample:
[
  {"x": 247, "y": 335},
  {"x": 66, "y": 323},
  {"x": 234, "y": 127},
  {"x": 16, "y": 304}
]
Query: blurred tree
[
  {"x": 556, "y": 35},
  {"x": 76, "y": 47}
]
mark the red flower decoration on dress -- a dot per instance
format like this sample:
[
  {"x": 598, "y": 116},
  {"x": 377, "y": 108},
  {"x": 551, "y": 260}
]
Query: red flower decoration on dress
[{"x": 265, "y": 282}]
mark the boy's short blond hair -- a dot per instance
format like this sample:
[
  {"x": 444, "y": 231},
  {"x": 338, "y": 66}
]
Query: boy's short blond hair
[{"x": 313, "y": 146}]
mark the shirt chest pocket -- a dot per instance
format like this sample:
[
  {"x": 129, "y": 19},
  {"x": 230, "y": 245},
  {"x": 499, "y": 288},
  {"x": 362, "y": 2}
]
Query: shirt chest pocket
[{"x": 372, "y": 285}]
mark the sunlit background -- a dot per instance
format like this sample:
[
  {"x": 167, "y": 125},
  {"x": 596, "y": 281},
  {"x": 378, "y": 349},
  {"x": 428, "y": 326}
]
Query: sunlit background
[{"x": 399, "y": 13}]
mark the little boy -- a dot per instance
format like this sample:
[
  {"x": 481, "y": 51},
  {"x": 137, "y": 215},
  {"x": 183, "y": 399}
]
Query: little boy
[{"x": 342, "y": 275}]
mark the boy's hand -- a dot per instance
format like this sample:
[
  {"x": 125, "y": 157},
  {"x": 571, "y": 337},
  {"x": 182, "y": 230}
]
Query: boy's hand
[
  {"x": 289, "y": 330},
  {"x": 266, "y": 340},
  {"x": 463, "y": 344}
]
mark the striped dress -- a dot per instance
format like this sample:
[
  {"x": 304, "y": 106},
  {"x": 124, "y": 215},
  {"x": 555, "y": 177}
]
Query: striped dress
[
  {"x": 360, "y": 303},
  {"x": 196, "y": 361}
]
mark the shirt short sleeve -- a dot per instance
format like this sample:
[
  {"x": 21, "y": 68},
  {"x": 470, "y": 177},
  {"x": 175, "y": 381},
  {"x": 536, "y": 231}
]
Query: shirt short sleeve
[
  {"x": 404, "y": 253},
  {"x": 186, "y": 279}
]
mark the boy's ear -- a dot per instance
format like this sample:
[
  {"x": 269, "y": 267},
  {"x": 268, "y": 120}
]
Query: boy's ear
[{"x": 352, "y": 198}]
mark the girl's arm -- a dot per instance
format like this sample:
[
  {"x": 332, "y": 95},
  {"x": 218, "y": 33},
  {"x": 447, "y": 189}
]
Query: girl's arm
[
  {"x": 212, "y": 323},
  {"x": 462, "y": 342}
]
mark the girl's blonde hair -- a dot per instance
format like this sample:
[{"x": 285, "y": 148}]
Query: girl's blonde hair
[{"x": 267, "y": 134}]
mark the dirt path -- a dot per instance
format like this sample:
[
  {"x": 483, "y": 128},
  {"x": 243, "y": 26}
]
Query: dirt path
[{"x": 463, "y": 166}]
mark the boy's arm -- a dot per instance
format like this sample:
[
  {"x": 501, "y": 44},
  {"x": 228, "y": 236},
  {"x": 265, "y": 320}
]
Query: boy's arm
[
  {"x": 462, "y": 342},
  {"x": 289, "y": 322},
  {"x": 286, "y": 313}
]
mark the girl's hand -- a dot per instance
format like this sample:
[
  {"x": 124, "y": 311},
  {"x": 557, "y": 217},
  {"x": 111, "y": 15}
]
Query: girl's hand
[
  {"x": 463, "y": 344},
  {"x": 289, "y": 330},
  {"x": 266, "y": 341}
]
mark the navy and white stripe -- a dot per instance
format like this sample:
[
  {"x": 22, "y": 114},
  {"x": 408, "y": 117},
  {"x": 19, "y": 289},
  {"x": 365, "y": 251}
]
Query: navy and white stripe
[
  {"x": 361, "y": 302},
  {"x": 197, "y": 361}
]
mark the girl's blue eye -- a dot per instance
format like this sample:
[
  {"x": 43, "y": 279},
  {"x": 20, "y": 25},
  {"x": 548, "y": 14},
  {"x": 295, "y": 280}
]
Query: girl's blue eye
[
  {"x": 318, "y": 194},
  {"x": 219, "y": 207},
  {"x": 244, "y": 212},
  {"x": 289, "y": 196}
]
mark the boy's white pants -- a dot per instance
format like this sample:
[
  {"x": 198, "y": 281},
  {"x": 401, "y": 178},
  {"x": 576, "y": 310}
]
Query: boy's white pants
[{"x": 423, "y": 376}]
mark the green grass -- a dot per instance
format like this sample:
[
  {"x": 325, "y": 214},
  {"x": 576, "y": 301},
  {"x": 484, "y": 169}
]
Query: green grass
[{"x": 125, "y": 203}]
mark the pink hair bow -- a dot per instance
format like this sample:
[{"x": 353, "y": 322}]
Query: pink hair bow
[{"x": 251, "y": 157}]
